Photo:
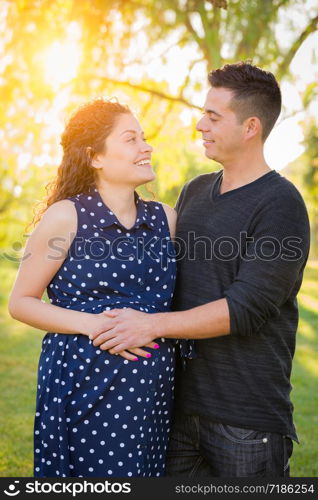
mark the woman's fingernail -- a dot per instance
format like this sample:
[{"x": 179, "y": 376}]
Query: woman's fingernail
[
  {"x": 156, "y": 346},
  {"x": 135, "y": 359},
  {"x": 148, "y": 355}
]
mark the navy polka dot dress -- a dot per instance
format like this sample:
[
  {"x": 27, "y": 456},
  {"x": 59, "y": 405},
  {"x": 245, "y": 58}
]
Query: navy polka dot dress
[{"x": 97, "y": 414}]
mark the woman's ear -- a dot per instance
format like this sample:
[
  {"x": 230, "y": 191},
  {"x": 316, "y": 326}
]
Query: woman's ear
[{"x": 92, "y": 158}]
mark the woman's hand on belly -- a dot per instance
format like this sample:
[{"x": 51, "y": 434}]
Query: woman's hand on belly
[
  {"x": 96, "y": 325},
  {"x": 133, "y": 353},
  {"x": 127, "y": 329}
]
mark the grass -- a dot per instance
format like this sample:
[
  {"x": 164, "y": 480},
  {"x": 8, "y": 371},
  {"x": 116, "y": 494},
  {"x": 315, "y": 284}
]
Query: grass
[
  {"x": 304, "y": 461},
  {"x": 20, "y": 347}
]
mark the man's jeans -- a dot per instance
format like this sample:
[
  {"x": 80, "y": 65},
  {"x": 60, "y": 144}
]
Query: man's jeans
[{"x": 199, "y": 447}]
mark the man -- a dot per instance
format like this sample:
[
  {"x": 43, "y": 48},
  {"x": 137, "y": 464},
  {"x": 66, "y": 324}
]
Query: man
[{"x": 246, "y": 233}]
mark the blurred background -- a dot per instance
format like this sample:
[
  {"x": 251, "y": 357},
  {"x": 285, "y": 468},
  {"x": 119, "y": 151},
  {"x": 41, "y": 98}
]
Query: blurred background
[{"x": 153, "y": 55}]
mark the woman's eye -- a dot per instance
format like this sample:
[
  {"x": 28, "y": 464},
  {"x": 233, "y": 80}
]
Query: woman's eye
[{"x": 132, "y": 139}]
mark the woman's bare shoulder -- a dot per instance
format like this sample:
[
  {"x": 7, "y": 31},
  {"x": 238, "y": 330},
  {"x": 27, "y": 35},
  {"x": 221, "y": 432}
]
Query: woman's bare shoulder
[{"x": 61, "y": 216}]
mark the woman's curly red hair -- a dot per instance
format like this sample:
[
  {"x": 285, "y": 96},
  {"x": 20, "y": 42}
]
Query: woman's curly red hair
[{"x": 84, "y": 136}]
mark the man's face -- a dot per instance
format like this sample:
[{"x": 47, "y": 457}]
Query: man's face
[{"x": 221, "y": 131}]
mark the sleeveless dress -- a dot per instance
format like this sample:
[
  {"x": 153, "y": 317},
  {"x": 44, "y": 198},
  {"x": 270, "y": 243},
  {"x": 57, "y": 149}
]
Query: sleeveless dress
[{"x": 97, "y": 414}]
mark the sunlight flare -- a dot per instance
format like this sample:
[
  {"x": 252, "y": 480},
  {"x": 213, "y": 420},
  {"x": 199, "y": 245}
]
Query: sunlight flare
[{"x": 61, "y": 61}]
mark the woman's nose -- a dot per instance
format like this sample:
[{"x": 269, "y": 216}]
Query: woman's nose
[{"x": 147, "y": 147}]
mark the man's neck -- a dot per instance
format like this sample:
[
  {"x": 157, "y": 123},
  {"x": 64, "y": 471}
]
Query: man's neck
[{"x": 242, "y": 172}]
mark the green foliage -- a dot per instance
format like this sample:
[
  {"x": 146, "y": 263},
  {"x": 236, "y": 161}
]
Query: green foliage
[
  {"x": 117, "y": 43},
  {"x": 311, "y": 175},
  {"x": 303, "y": 172},
  {"x": 305, "y": 378},
  {"x": 310, "y": 93}
]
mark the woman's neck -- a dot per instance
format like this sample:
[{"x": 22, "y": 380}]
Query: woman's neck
[{"x": 120, "y": 200}]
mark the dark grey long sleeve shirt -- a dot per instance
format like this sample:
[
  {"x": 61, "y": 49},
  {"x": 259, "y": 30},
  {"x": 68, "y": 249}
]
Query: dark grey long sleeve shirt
[{"x": 249, "y": 245}]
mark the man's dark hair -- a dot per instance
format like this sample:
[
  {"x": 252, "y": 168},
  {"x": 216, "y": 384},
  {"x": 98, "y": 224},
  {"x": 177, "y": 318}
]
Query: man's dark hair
[{"x": 255, "y": 92}]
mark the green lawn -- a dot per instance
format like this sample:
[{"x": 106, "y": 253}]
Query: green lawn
[{"x": 20, "y": 348}]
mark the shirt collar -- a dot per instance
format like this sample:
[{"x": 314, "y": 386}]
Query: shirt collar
[{"x": 104, "y": 217}]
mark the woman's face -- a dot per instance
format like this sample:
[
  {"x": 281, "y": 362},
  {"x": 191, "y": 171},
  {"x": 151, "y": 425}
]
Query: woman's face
[{"x": 126, "y": 159}]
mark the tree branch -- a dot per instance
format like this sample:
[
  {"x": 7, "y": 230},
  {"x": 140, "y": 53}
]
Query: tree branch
[
  {"x": 152, "y": 58},
  {"x": 157, "y": 93},
  {"x": 188, "y": 24},
  {"x": 4, "y": 206},
  {"x": 211, "y": 33},
  {"x": 312, "y": 26},
  {"x": 280, "y": 4},
  {"x": 259, "y": 16},
  {"x": 161, "y": 124},
  {"x": 188, "y": 76}
]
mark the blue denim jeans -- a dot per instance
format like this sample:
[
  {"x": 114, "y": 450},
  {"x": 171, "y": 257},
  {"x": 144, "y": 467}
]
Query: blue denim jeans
[{"x": 199, "y": 447}]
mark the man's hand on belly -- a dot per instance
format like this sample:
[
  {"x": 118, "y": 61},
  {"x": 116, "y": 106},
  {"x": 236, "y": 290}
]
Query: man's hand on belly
[{"x": 130, "y": 329}]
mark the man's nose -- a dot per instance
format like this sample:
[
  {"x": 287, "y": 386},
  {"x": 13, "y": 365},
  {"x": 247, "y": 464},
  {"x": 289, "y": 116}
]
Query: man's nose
[{"x": 201, "y": 126}]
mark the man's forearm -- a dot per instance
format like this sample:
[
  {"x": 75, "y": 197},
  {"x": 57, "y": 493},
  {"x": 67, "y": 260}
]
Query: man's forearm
[
  {"x": 206, "y": 321},
  {"x": 133, "y": 328}
]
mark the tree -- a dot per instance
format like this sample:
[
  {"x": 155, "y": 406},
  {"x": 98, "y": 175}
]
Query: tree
[
  {"x": 124, "y": 47},
  {"x": 217, "y": 31}
]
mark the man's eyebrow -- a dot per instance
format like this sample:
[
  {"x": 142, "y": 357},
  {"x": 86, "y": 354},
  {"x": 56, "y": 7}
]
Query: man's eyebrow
[
  {"x": 132, "y": 131},
  {"x": 211, "y": 112}
]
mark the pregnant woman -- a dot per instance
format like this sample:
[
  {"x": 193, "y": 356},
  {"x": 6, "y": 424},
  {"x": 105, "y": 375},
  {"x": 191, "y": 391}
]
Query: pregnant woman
[{"x": 99, "y": 246}]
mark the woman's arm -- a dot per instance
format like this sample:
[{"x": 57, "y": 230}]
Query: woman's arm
[{"x": 41, "y": 261}]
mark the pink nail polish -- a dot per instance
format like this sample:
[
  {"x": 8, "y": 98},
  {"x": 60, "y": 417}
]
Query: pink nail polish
[
  {"x": 156, "y": 346},
  {"x": 148, "y": 355},
  {"x": 135, "y": 359}
]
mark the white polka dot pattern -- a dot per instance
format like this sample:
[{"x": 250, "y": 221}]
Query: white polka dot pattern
[{"x": 100, "y": 415}]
